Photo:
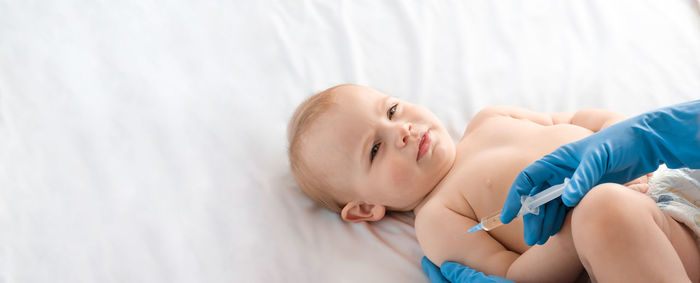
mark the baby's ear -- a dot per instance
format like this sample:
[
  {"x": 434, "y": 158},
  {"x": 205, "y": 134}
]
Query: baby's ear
[{"x": 357, "y": 211}]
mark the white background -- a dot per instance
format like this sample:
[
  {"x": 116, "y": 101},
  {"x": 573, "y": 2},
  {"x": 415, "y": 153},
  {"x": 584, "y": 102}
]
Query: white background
[{"x": 144, "y": 140}]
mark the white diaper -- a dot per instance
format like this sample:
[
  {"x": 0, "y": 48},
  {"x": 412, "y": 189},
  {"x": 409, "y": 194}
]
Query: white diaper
[{"x": 677, "y": 192}]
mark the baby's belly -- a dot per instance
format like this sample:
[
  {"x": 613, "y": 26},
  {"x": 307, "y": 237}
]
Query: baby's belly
[
  {"x": 486, "y": 194},
  {"x": 490, "y": 172}
]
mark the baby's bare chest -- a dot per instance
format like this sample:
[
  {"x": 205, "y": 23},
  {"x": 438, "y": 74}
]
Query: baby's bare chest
[{"x": 488, "y": 161}]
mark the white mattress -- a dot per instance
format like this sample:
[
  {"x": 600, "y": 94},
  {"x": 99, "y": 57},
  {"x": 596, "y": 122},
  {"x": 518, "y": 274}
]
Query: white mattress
[{"x": 144, "y": 141}]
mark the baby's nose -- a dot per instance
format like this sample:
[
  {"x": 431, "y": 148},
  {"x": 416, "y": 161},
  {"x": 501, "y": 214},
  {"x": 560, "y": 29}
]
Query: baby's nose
[{"x": 405, "y": 134}]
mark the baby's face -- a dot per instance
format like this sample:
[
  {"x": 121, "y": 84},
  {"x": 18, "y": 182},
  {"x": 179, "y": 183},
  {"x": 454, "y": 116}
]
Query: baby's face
[{"x": 380, "y": 150}]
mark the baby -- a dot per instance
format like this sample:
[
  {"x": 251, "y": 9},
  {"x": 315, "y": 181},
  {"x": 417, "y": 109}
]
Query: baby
[{"x": 362, "y": 153}]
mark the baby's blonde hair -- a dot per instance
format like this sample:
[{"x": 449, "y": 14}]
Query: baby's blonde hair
[{"x": 311, "y": 181}]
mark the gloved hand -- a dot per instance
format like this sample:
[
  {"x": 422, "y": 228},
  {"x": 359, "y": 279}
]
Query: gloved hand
[
  {"x": 455, "y": 272},
  {"x": 619, "y": 153}
]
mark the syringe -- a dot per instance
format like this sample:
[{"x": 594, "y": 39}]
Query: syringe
[{"x": 530, "y": 204}]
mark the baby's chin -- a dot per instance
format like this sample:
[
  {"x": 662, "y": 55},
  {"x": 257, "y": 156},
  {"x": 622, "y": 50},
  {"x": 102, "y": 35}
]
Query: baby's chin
[{"x": 444, "y": 155}]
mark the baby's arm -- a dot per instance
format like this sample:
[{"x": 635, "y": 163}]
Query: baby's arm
[
  {"x": 441, "y": 235},
  {"x": 592, "y": 119}
]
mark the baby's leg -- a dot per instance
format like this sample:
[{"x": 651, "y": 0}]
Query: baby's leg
[{"x": 622, "y": 235}]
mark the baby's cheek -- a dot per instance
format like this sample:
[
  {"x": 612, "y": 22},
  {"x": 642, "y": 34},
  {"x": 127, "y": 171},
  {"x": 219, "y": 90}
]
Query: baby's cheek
[{"x": 402, "y": 175}]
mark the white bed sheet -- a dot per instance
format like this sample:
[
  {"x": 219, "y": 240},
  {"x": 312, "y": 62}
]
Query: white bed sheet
[{"x": 144, "y": 141}]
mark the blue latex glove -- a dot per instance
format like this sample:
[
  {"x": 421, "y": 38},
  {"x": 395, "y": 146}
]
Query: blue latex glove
[
  {"x": 455, "y": 272},
  {"x": 619, "y": 154}
]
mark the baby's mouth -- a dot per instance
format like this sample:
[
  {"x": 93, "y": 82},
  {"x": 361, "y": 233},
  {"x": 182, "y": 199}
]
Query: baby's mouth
[{"x": 423, "y": 145}]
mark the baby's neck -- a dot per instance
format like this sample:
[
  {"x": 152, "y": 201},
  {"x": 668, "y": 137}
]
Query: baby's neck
[{"x": 438, "y": 187}]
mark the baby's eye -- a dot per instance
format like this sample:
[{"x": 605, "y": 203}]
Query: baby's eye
[
  {"x": 391, "y": 111},
  {"x": 373, "y": 152}
]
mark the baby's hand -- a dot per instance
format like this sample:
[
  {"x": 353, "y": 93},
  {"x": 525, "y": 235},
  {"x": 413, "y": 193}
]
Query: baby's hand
[{"x": 640, "y": 184}]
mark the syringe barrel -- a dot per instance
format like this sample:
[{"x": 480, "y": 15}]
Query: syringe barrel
[
  {"x": 492, "y": 221},
  {"x": 530, "y": 204}
]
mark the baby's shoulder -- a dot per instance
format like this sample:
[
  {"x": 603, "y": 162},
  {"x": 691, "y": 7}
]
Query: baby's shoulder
[
  {"x": 430, "y": 219},
  {"x": 438, "y": 228},
  {"x": 447, "y": 204}
]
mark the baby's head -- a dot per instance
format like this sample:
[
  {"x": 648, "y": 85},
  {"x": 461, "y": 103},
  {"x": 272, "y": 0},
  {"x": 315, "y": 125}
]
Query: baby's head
[{"x": 360, "y": 152}]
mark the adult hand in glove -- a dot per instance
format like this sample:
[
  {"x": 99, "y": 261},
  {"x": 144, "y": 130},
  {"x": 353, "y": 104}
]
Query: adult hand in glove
[
  {"x": 618, "y": 154},
  {"x": 455, "y": 272}
]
